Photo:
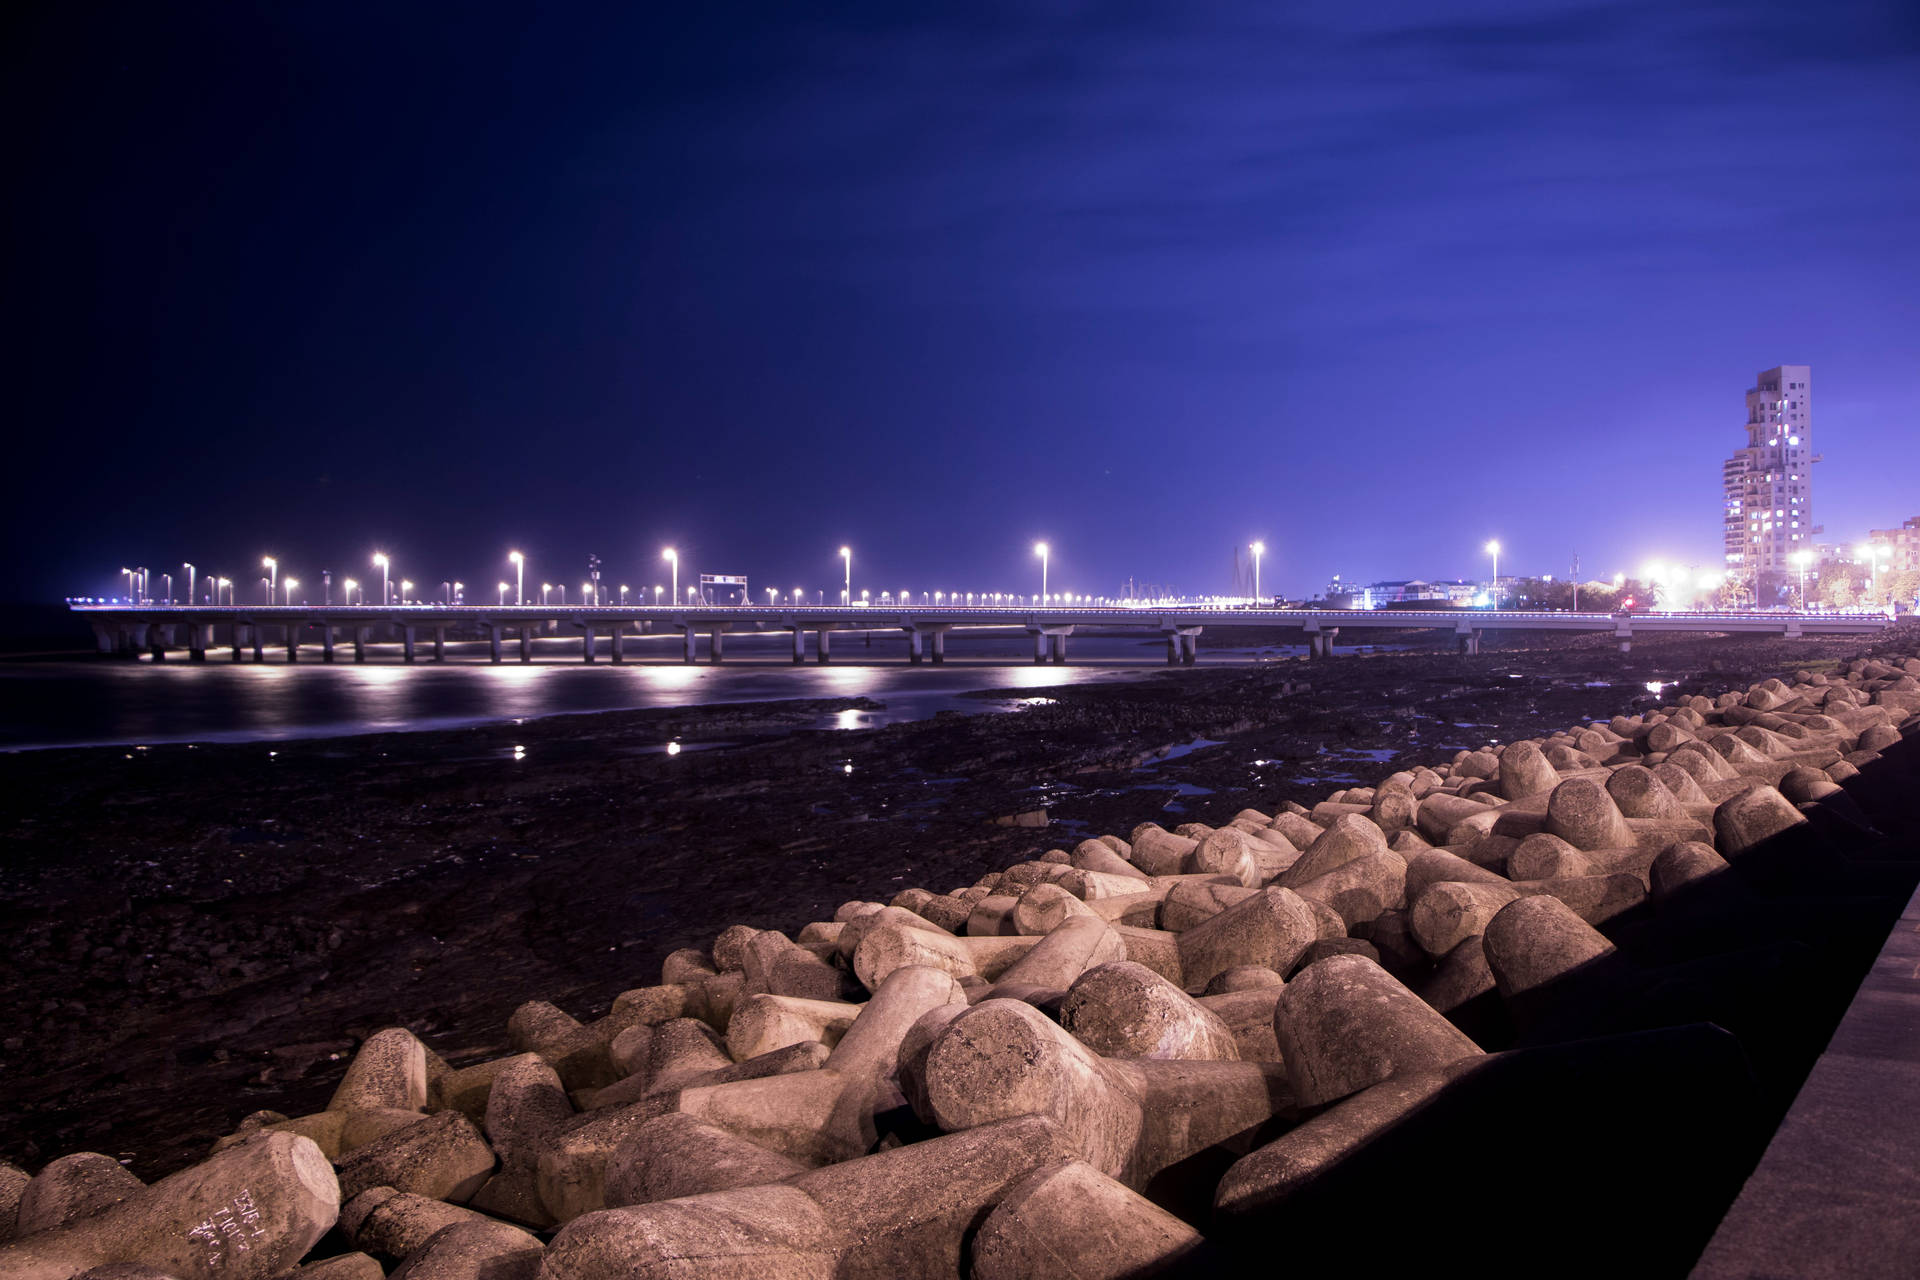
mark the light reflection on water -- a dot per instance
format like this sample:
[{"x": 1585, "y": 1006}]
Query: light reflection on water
[{"x": 105, "y": 702}]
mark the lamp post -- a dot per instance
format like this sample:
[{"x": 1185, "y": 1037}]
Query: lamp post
[
  {"x": 1493, "y": 549},
  {"x": 459, "y": 591},
  {"x": 226, "y": 585},
  {"x": 797, "y": 593},
  {"x": 291, "y": 584},
  {"x": 503, "y": 593},
  {"x": 846, "y": 554},
  {"x": 1040, "y": 549},
  {"x": 672, "y": 557},
  {"x": 1801, "y": 558},
  {"x": 272, "y": 567},
  {"x": 623, "y": 595},
  {"x": 405, "y": 587},
  {"x": 519, "y": 576},
  {"x": 1874, "y": 556},
  {"x": 1259, "y": 549},
  {"x": 326, "y": 586},
  {"x": 773, "y": 595},
  {"x": 348, "y": 585},
  {"x": 545, "y": 589},
  {"x": 190, "y": 573},
  {"x": 386, "y": 590},
  {"x": 657, "y": 589}
]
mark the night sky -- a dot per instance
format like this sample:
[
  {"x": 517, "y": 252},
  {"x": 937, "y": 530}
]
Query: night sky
[{"x": 1147, "y": 281}]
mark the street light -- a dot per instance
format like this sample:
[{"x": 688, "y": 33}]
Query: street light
[
  {"x": 623, "y": 595},
  {"x": 657, "y": 589},
  {"x": 226, "y": 585},
  {"x": 519, "y": 576},
  {"x": 1259, "y": 549},
  {"x": 1493, "y": 549},
  {"x": 350, "y": 584},
  {"x": 1803, "y": 558},
  {"x": 129, "y": 574},
  {"x": 386, "y": 591},
  {"x": 773, "y": 594},
  {"x": 503, "y": 593},
  {"x": 846, "y": 554},
  {"x": 673, "y": 558},
  {"x": 291, "y": 584},
  {"x": 1874, "y": 556},
  {"x": 272, "y": 567},
  {"x": 458, "y": 589},
  {"x": 405, "y": 587},
  {"x": 545, "y": 588},
  {"x": 189, "y": 569},
  {"x": 1040, "y": 549}
]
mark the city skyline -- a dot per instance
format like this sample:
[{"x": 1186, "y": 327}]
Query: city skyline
[{"x": 1370, "y": 288}]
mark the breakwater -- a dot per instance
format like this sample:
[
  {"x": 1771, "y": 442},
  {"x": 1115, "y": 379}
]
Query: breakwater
[{"x": 1602, "y": 957}]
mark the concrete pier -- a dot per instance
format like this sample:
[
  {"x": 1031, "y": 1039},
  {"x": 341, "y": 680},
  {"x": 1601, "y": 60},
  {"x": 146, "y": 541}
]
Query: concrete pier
[
  {"x": 719, "y": 645},
  {"x": 1467, "y": 639},
  {"x": 586, "y": 641},
  {"x": 824, "y": 651},
  {"x": 493, "y": 641},
  {"x": 326, "y": 642},
  {"x": 799, "y": 645},
  {"x": 359, "y": 644},
  {"x": 693, "y": 644},
  {"x": 526, "y": 643},
  {"x": 259, "y": 642},
  {"x": 439, "y": 644},
  {"x": 939, "y": 645},
  {"x": 406, "y": 644},
  {"x": 293, "y": 642},
  {"x": 619, "y": 636}
]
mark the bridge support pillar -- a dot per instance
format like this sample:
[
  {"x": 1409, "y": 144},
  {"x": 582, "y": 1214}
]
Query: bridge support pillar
[
  {"x": 360, "y": 644},
  {"x": 406, "y": 643},
  {"x": 293, "y": 642},
  {"x": 823, "y": 651},
  {"x": 939, "y": 647},
  {"x": 326, "y": 642},
  {"x": 233, "y": 638},
  {"x": 1039, "y": 647},
  {"x": 493, "y": 642},
  {"x": 197, "y": 641},
  {"x": 259, "y": 642},
  {"x": 104, "y": 640},
  {"x": 587, "y": 641},
  {"x": 619, "y": 650},
  {"x": 1320, "y": 642},
  {"x": 156, "y": 644},
  {"x": 691, "y": 653},
  {"x": 1468, "y": 642},
  {"x": 719, "y": 645},
  {"x": 1174, "y": 648},
  {"x": 1059, "y": 650},
  {"x": 1625, "y": 637},
  {"x": 439, "y": 644},
  {"x": 1190, "y": 644},
  {"x": 913, "y": 646},
  {"x": 526, "y": 642},
  {"x": 799, "y": 645}
]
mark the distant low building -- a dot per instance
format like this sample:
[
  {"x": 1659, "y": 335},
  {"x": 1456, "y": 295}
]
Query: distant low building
[{"x": 1897, "y": 550}]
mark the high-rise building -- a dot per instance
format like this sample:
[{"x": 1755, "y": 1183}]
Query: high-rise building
[{"x": 1769, "y": 484}]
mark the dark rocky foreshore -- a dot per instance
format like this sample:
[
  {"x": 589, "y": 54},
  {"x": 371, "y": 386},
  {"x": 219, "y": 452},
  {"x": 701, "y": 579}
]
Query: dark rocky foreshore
[{"x": 200, "y": 933}]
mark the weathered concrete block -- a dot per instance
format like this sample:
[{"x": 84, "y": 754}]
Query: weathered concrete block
[
  {"x": 1524, "y": 771},
  {"x": 1351, "y": 836},
  {"x": 679, "y": 1155},
  {"x": 1581, "y": 812},
  {"x": 71, "y": 1187},
  {"x": 1269, "y": 930},
  {"x": 1361, "y": 888},
  {"x": 1450, "y": 912},
  {"x": 1751, "y": 817},
  {"x": 1062, "y": 956},
  {"x": 526, "y": 1108},
  {"x": 905, "y": 1213},
  {"x": 249, "y": 1213},
  {"x": 442, "y": 1155},
  {"x": 394, "y": 1224},
  {"x": 1345, "y": 1024},
  {"x": 762, "y": 1024},
  {"x": 1003, "y": 1058},
  {"x": 1539, "y": 940},
  {"x": 1072, "y": 1221},
  {"x": 1125, "y": 1010},
  {"x": 343, "y": 1266},
  {"x": 1248, "y": 1016},
  {"x": 472, "y": 1251},
  {"x": 389, "y": 1071}
]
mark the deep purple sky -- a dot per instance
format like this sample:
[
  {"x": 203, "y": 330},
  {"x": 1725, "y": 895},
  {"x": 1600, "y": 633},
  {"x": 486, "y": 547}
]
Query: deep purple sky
[{"x": 1148, "y": 281}]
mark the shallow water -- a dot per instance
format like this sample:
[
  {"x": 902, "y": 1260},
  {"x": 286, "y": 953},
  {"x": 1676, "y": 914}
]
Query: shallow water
[{"x": 105, "y": 702}]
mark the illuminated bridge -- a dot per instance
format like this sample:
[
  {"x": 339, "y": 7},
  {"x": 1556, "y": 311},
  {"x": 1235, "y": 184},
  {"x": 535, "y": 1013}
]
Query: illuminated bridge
[{"x": 129, "y": 629}]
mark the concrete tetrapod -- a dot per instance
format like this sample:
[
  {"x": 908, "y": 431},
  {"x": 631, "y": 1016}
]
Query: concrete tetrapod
[
  {"x": 1126, "y": 1010},
  {"x": 1536, "y": 941},
  {"x": 74, "y": 1186},
  {"x": 817, "y": 1117},
  {"x": 250, "y": 1212},
  {"x": 905, "y": 1213},
  {"x": 1045, "y": 972},
  {"x": 482, "y": 1250},
  {"x": 1072, "y": 1221},
  {"x": 1270, "y": 929},
  {"x": 1131, "y": 1120},
  {"x": 525, "y": 1108},
  {"x": 441, "y": 1155},
  {"x": 675, "y": 1155},
  {"x": 1345, "y": 1024},
  {"x": 1351, "y": 836}
]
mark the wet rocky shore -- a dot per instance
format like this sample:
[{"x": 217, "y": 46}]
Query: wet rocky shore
[{"x": 198, "y": 933}]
